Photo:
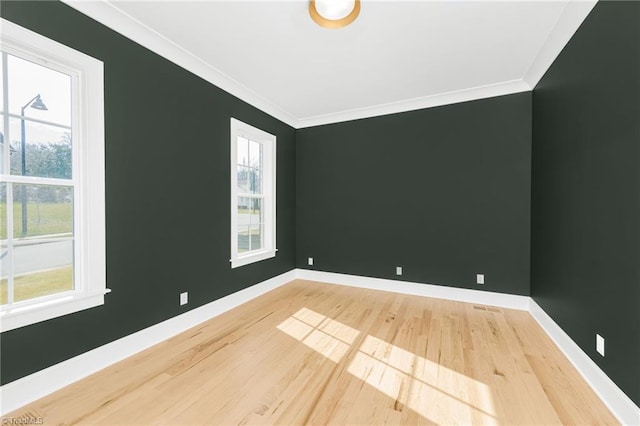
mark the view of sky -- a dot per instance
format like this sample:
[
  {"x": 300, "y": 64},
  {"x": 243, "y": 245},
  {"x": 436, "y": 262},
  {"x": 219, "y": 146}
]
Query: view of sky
[
  {"x": 23, "y": 81},
  {"x": 27, "y": 79}
]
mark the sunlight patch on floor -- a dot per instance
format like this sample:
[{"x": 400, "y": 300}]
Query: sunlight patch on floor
[
  {"x": 322, "y": 334},
  {"x": 435, "y": 392},
  {"x": 438, "y": 393}
]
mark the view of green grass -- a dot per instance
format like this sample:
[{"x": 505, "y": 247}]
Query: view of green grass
[
  {"x": 42, "y": 219},
  {"x": 38, "y": 284}
]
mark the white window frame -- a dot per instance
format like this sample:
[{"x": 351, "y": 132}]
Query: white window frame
[
  {"x": 268, "y": 141},
  {"x": 88, "y": 177}
]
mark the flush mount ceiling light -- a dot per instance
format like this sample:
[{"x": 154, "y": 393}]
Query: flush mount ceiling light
[{"x": 334, "y": 13}]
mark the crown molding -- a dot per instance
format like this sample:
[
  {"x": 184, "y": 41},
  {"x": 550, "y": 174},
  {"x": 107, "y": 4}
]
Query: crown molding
[
  {"x": 111, "y": 16},
  {"x": 453, "y": 97},
  {"x": 568, "y": 23}
]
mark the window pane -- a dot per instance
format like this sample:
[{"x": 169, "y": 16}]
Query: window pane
[
  {"x": 47, "y": 148},
  {"x": 255, "y": 154},
  {"x": 243, "y": 152},
  {"x": 46, "y": 210},
  {"x": 3, "y": 145},
  {"x": 243, "y": 239},
  {"x": 4, "y": 262},
  {"x": 244, "y": 179},
  {"x": 27, "y": 80},
  {"x": 42, "y": 267},
  {"x": 249, "y": 180},
  {"x": 256, "y": 211},
  {"x": 2, "y": 107},
  {"x": 256, "y": 236},
  {"x": 244, "y": 211},
  {"x": 255, "y": 181},
  {"x": 3, "y": 212}
]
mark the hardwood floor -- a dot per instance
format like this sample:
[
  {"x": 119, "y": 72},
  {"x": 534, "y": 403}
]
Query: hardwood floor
[{"x": 325, "y": 354}]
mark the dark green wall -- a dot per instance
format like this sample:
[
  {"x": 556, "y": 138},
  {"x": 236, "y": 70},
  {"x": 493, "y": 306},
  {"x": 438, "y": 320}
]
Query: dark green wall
[
  {"x": 586, "y": 190},
  {"x": 167, "y": 193},
  {"x": 443, "y": 192}
]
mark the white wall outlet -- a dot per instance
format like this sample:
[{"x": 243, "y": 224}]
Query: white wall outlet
[
  {"x": 480, "y": 278},
  {"x": 600, "y": 344},
  {"x": 310, "y": 261},
  {"x": 398, "y": 270},
  {"x": 184, "y": 298}
]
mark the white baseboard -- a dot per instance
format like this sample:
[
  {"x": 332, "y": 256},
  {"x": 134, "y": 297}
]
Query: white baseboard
[
  {"x": 614, "y": 398},
  {"x": 37, "y": 385},
  {"x": 502, "y": 300},
  {"x": 617, "y": 401}
]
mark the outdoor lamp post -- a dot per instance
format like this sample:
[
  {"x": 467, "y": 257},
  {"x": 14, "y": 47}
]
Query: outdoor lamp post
[{"x": 35, "y": 103}]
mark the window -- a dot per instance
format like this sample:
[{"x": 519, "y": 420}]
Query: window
[
  {"x": 52, "y": 236},
  {"x": 253, "y": 194}
]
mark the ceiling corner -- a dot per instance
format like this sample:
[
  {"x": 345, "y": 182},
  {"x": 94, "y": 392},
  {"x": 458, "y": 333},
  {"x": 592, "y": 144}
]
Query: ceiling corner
[
  {"x": 568, "y": 23},
  {"x": 111, "y": 16}
]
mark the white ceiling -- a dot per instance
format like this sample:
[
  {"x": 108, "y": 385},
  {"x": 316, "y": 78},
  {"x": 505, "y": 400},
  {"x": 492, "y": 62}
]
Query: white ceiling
[{"x": 396, "y": 56}]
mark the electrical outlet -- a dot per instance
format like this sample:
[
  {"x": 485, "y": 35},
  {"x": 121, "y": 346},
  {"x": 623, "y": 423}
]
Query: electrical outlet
[
  {"x": 398, "y": 270},
  {"x": 600, "y": 344},
  {"x": 310, "y": 261},
  {"x": 480, "y": 278},
  {"x": 184, "y": 298}
]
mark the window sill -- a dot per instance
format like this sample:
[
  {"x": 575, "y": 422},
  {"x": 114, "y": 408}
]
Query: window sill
[
  {"x": 21, "y": 315},
  {"x": 252, "y": 258}
]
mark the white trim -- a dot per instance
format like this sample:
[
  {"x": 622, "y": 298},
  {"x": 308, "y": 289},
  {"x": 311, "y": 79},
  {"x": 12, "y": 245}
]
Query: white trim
[
  {"x": 612, "y": 396},
  {"x": 116, "y": 19},
  {"x": 123, "y": 23},
  {"x": 36, "y": 120},
  {"x": 88, "y": 179},
  {"x": 37, "y": 385},
  {"x": 568, "y": 23},
  {"x": 110, "y": 15},
  {"x": 252, "y": 257},
  {"x": 510, "y": 301},
  {"x": 268, "y": 194},
  {"x": 454, "y": 97},
  {"x": 44, "y": 308}
]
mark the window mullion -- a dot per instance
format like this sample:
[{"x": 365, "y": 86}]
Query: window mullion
[
  {"x": 6, "y": 161},
  {"x": 249, "y": 195},
  {"x": 10, "y": 244},
  {"x": 9, "y": 186},
  {"x": 82, "y": 274},
  {"x": 28, "y": 119},
  {"x": 245, "y": 200},
  {"x": 34, "y": 180}
]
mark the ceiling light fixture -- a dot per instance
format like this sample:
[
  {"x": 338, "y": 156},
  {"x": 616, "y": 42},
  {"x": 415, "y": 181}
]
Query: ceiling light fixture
[{"x": 334, "y": 13}]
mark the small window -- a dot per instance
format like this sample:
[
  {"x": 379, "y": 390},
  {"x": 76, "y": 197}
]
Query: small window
[
  {"x": 253, "y": 194},
  {"x": 52, "y": 237}
]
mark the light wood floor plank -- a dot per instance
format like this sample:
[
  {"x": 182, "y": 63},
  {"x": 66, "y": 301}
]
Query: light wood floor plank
[{"x": 313, "y": 353}]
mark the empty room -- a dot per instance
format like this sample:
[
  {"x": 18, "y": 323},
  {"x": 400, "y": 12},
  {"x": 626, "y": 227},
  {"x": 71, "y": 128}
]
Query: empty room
[{"x": 349, "y": 212}]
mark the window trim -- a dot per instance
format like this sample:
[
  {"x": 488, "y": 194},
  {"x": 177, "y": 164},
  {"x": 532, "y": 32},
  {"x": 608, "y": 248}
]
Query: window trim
[
  {"x": 88, "y": 178},
  {"x": 268, "y": 141}
]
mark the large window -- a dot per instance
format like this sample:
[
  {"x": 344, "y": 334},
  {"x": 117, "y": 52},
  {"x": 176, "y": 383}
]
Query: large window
[
  {"x": 51, "y": 179},
  {"x": 253, "y": 194}
]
